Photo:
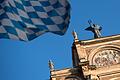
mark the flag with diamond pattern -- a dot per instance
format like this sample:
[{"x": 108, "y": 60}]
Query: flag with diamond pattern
[{"x": 27, "y": 19}]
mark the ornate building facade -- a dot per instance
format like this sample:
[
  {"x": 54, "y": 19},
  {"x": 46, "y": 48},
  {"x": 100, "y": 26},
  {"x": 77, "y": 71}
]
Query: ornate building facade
[{"x": 95, "y": 59}]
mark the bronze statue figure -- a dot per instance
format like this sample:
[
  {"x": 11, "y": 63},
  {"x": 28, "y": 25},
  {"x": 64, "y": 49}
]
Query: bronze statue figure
[{"x": 95, "y": 29}]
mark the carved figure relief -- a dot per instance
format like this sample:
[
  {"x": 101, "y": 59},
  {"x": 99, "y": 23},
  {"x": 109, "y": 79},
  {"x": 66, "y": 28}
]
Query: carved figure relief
[{"x": 106, "y": 57}]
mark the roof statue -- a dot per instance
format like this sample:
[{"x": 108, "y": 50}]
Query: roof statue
[
  {"x": 75, "y": 36},
  {"x": 95, "y": 29},
  {"x": 51, "y": 65}
]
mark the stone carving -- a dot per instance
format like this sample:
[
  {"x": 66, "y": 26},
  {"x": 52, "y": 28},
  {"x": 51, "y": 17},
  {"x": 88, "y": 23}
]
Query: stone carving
[
  {"x": 51, "y": 65},
  {"x": 74, "y": 35},
  {"x": 106, "y": 58}
]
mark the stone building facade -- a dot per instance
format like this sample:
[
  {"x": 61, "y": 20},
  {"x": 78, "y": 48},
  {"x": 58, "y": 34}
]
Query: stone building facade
[{"x": 95, "y": 59}]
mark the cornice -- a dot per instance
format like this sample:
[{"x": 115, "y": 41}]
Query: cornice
[{"x": 100, "y": 40}]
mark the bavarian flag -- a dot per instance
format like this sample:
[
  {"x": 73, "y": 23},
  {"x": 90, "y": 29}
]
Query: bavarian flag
[{"x": 27, "y": 19}]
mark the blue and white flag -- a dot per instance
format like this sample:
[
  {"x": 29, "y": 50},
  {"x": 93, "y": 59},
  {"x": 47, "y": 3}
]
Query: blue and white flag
[{"x": 27, "y": 19}]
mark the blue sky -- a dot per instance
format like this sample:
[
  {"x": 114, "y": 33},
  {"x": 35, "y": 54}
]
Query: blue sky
[{"x": 29, "y": 60}]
